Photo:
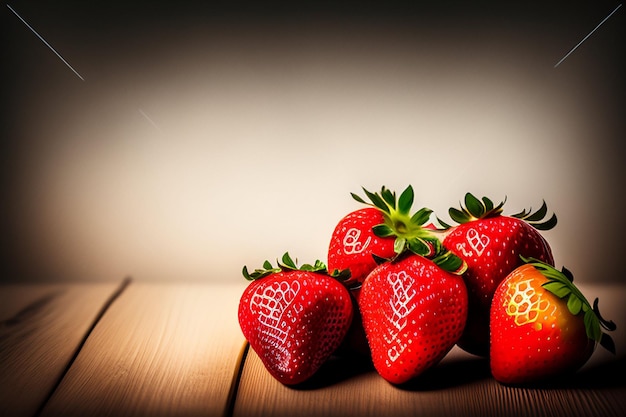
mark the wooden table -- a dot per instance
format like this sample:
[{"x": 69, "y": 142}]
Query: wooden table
[{"x": 175, "y": 349}]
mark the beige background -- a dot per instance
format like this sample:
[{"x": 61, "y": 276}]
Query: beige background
[{"x": 202, "y": 138}]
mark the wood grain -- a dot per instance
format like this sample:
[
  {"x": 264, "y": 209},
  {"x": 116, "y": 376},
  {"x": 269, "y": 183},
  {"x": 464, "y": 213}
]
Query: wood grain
[
  {"x": 161, "y": 349},
  {"x": 41, "y": 329},
  {"x": 461, "y": 385}
]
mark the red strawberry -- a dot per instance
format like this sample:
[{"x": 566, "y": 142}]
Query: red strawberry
[
  {"x": 491, "y": 244},
  {"x": 365, "y": 236},
  {"x": 353, "y": 242},
  {"x": 413, "y": 313},
  {"x": 542, "y": 327},
  {"x": 294, "y": 318}
]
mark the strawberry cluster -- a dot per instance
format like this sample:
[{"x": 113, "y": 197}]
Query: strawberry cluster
[{"x": 403, "y": 290}]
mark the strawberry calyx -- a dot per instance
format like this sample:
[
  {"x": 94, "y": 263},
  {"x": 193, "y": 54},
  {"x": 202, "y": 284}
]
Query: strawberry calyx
[
  {"x": 288, "y": 264},
  {"x": 536, "y": 219},
  {"x": 561, "y": 284},
  {"x": 448, "y": 261},
  {"x": 409, "y": 230},
  {"x": 475, "y": 209}
]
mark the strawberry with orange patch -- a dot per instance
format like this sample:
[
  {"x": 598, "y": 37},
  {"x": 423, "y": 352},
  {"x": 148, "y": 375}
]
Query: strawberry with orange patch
[{"x": 542, "y": 326}]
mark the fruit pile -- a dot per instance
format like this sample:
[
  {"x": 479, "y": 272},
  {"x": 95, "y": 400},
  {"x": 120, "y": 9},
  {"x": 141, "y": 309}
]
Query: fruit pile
[{"x": 403, "y": 290}]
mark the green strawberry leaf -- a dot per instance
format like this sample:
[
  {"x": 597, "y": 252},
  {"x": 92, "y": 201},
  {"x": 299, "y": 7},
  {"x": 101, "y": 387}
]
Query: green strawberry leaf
[
  {"x": 345, "y": 277},
  {"x": 568, "y": 274},
  {"x": 406, "y": 201},
  {"x": 288, "y": 262},
  {"x": 560, "y": 283},
  {"x": 539, "y": 214},
  {"x": 389, "y": 197},
  {"x": 380, "y": 260},
  {"x": 318, "y": 266},
  {"x": 592, "y": 325},
  {"x": 420, "y": 247},
  {"x": 574, "y": 304},
  {"x": 473, "y": 209},
  {"x": 357, "y": 198},
  {"x": 451, "y": 263},
  {"x": 378, "y": 201},
  {"x": 399, "y": 245},
  {"x": 458, "y": 215},
  {"x": 557, "y": 288},
  {"x": 443, "y": 224},
  {"x": 488, "y": 204},
  {"x": 536, "y": 219},
  {"x": 382, "y": 230},
  {"x": 259, "y": 273},
  {"x": 421, "y": 216},
  {"x": 547, "y": 225},
  {"x": 474, "y": 206},
  {"x": 342, "y": 274}
]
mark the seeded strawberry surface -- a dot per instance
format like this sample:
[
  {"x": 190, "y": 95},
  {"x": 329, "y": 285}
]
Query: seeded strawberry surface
[
  {"x": 533, "y": 335},
  {"x": 294, "y": 321},
  {"x": 491, "y": 247},
  {"x": 353, "y": 242},
  {"x": 413, "y": 313}
]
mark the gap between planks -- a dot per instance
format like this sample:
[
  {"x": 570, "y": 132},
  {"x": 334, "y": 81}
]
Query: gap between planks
[
  {"x": 42, "y": 326},
  {"x": 118, "y": 291},
  {"x": 161, "y": 349}
]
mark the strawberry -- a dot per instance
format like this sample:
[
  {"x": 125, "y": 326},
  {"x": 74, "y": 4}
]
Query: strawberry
[
  {"x": 491, "y": 244},
  {"x": 353, "y": 242},
  {"x": 365, "y": 236},
  {"x": 413, "y": 313},
  {"x": 542, "y": 327},
  {"x": 294, "y": 317}
]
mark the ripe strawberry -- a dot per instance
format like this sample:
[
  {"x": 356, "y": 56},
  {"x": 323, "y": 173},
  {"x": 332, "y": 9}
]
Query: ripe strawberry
[
  {"x": 542, "y": 327},
  {"x": 294, "y": 318},
  {"x": 366, "y": 236},
  {"x": 413, "y": 313},
  {"x": 491, "y": 244}
]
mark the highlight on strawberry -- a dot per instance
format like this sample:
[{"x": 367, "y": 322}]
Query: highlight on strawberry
[
  {"x": 491, "y": 244},
  {"x": 542, "y": 326},
  {"x": 295, "y": 317}
]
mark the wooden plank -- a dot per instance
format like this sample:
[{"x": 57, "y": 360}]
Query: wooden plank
[
  {"x": 461, "y": 385},
  {"x": 161, "y": 349},
  {"x": 41, "y": 328}
]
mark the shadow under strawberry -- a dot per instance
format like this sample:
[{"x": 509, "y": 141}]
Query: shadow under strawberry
[
  {"x": 608, "y": 375},
  {"x": 448, "y": 374},
  {"x": 336, "y": 370}
]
